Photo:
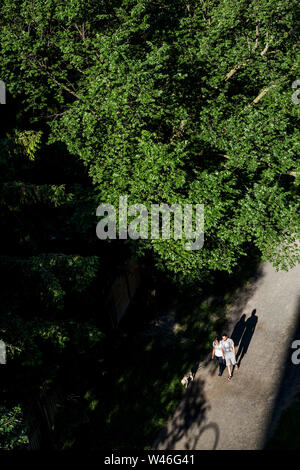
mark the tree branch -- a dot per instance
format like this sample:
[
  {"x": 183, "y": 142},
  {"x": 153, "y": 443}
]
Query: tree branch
[
  {"x": 61, "y": 85},
  {"x": 257, "y": 36},
  {"x": 263, "y": 52},
  {"x": 179, "y": 130},
  {"x": 262, "y": 94},
  {"x": 266, "y": 46}
]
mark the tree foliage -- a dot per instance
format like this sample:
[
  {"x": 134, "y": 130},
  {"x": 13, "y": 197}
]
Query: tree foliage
[
  {"x": 51, "y": 277},
  {"x": 12, "y": 431},
  {"x": 171, "y": 101}
]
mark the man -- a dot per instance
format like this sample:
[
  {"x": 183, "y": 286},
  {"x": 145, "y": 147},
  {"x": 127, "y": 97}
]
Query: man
[{"x": 229, "y": 354}]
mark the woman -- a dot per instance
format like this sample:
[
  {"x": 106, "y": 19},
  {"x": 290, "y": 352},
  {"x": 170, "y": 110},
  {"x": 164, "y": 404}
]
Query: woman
[{"x": 218, "y": 353}]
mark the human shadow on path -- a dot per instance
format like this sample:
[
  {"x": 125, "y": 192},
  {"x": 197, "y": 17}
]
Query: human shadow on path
[
  {"x": 249, "y": 329},
  {"x": 239, "y": 330}
]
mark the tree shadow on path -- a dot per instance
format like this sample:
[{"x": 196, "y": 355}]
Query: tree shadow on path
[
  {"x": 283, "y": 426},
  {"x": 188, "y": 422}
]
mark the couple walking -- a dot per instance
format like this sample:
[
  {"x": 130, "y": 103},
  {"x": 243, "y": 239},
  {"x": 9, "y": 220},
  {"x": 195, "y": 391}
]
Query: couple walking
[{"x": 224, "y": 350}]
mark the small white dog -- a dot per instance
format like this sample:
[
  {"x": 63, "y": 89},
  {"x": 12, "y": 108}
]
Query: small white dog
[{"x": 187, "y": 379}]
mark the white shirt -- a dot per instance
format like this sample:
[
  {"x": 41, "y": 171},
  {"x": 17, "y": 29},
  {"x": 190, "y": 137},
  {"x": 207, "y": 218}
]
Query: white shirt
[
  {"x": 227, "y": 345},
  {"x": 218, "y": 349}
]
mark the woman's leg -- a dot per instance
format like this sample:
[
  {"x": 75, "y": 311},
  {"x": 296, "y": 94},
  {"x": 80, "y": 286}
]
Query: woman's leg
[{"x": 220, "y": 359}]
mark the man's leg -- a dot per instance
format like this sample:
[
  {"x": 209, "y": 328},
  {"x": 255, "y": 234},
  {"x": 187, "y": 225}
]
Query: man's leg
[
  {"x": 234, "y": 362},
  {"x": 229, "y": 370}
]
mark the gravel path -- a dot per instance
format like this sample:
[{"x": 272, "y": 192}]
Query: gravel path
[{"x": 217, "y": 414}]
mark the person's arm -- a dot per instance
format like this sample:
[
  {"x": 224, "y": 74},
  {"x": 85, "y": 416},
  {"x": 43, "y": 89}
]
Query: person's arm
[
  {"x": 213, "y": 352},
  {"x": 233, "y": 348},
  {"x": 223, "y": 352}
]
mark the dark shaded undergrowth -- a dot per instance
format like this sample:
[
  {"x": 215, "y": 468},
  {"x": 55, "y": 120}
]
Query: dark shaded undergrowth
[{"x": 122, "y": 400}]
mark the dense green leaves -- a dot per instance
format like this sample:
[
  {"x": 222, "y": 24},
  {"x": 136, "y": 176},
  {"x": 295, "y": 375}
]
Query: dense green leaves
[{"x": 161, "y": 100}]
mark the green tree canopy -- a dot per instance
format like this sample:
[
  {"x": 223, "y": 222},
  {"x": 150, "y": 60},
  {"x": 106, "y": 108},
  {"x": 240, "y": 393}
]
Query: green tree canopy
[{"x": 172, "y": 102}]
